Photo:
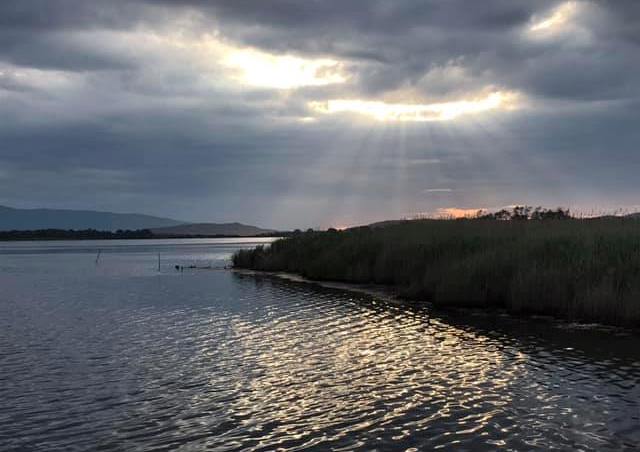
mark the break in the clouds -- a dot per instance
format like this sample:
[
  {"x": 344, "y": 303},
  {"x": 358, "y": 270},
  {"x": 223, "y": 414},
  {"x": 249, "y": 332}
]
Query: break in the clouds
[{"x": 315, "y": 113}]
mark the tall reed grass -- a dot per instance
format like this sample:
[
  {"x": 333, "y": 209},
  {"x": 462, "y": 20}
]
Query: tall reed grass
[{"x": 577, "y": 269}]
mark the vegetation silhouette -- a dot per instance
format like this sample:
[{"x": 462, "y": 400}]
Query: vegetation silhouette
[{"x": 524, "y": 260}]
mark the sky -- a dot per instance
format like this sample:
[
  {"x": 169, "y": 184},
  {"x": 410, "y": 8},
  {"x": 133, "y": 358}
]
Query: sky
[{"x": 308, "y": 113}]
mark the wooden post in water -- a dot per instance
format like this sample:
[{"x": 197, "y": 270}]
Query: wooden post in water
[
  {"x": 98, "y": 256},
  {"x": 158, "y": 261}
]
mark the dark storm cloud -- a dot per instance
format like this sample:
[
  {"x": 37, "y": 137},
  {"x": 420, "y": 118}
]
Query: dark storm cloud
[
  {"x": 54, "y": 50},
  {"x": 366, "y": 15},
  {"x": 47, "y": 15},
  {"x": 119, "y": 105},
  {"x": 403, "y": 40},
  {"x": 57, "y": 34}
]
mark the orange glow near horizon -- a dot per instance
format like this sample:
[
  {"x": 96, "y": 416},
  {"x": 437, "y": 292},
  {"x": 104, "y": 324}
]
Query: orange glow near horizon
[{"x": 455, "y": 212}]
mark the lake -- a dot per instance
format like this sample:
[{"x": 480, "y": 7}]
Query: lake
[{"x": 101, "y": 350}]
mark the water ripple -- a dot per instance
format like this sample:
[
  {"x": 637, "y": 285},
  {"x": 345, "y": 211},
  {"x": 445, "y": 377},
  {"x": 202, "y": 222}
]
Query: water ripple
[{"x": 222, "y": 362}]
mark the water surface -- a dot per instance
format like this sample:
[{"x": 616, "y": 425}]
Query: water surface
[{"x": 116, "y": 355}]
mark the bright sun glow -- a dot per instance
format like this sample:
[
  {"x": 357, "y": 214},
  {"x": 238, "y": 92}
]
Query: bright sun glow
[
  {"x": 416, "y": 112},
  {"x": 559, "y": 17},
  {"x": 284, "y": 71}
]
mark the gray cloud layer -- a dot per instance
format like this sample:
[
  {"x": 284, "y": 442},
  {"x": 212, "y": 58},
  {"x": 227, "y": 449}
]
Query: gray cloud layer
[{"x": 127, "y": 105}]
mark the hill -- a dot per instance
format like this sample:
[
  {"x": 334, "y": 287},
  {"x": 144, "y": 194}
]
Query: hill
[
  {"x": 209, "y": 229},
  {"x": 30, "y": 219},
  {"x": 384, "y": 224}
]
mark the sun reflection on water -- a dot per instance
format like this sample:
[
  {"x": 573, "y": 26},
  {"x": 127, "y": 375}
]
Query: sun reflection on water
[{"x": 319, "y": 372}]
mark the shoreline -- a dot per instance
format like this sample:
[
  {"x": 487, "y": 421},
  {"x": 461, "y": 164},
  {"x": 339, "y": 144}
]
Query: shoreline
[
  {"x": 384, "y": 293},
  {"x": 570, "y": 269},
  {"x": 389, "y": 295}
]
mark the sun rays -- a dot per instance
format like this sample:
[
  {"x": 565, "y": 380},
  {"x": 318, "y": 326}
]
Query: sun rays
[{"x": 397, "y": 152}]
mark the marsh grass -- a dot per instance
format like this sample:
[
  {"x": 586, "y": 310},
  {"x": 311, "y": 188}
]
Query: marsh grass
[{"x": 572, "y": 268}]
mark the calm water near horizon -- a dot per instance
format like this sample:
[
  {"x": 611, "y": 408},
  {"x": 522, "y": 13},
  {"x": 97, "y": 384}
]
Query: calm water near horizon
[{"x": 116, "y": 355}]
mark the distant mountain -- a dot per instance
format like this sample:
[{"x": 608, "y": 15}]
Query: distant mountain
[
  {"x": 27, "y": 219},
  {"x": 237, "y": 229}
]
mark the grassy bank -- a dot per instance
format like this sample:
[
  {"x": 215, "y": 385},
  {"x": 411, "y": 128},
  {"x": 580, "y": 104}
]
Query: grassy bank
[{"x": 578, "y": 269}]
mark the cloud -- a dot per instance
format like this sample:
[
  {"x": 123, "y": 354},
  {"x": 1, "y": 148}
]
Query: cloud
[
  {"x": 438, "y": 190},
  {"x": 289, "y": 112},
  {"x": 557, "y": 19},
  {"x": 285, "y": 71},
  {"x": 445, "y": 111}
]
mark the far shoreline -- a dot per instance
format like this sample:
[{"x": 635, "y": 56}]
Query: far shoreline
[
  {"x": 114, "y": 236},
  {"x": 60, "y": 239}
]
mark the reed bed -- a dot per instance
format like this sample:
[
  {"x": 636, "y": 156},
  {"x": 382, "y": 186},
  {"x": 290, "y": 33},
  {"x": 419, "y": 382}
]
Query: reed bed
[{"x": 578, "y": 269}]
